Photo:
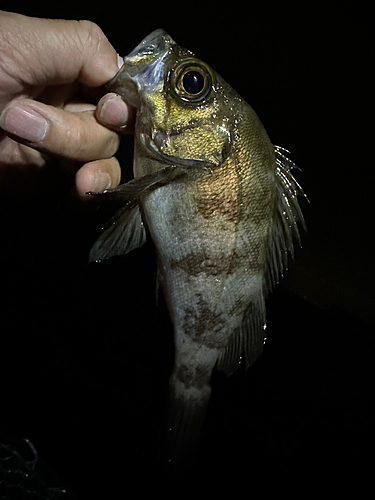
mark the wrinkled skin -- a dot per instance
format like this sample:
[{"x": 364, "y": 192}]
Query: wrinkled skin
[{"x": 48, "y": 90}]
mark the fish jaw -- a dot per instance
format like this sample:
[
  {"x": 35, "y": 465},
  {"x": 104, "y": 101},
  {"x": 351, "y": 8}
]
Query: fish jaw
[
  {"x": 144, "y": 68},
  {"x": 170, "y": 128}
]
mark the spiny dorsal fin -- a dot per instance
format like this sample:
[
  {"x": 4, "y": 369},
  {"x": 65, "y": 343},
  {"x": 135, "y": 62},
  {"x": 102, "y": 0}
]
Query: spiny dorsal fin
[
  {"x": 248, "y": 340},
  {"x": 287, "y": 217}
]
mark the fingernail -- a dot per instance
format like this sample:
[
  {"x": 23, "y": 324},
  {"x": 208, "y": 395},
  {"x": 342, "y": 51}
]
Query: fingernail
[
  {"x": 102, "y": 181},
  {"x": 120, "y": 61},
  {"x": 114, "y": 112},
  {"x": 25, "y": 124}
]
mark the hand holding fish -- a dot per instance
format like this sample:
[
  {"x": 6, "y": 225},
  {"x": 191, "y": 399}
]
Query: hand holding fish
[{"x": 50, "y": 71}]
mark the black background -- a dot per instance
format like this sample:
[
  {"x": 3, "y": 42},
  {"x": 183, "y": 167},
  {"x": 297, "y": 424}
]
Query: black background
[{"x": 85, "y": 354}]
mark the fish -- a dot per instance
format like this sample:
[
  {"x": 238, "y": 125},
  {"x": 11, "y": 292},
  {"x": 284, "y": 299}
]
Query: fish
[{"x": 221, "y": 205}]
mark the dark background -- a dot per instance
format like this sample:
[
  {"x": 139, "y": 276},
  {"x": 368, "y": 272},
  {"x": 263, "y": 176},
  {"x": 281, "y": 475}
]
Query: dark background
[{"x": 85, "y": 354}]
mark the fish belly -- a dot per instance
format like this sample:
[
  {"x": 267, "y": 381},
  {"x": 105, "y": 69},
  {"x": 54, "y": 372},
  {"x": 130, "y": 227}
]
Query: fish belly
[{"x": 207, "y": 288}]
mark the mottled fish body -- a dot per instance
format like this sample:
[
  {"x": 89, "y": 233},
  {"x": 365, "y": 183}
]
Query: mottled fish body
[{"x": 220, "y": 204}]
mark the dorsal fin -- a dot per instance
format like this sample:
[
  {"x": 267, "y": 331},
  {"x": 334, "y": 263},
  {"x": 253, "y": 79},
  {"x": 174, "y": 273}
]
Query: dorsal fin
[
  {"x": 248, "y": 339},
  {"x": 288, "y": 215}
]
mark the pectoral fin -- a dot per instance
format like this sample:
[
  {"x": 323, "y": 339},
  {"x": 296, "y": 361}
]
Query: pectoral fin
[
  {"x": 131, "y": 191},
  {"x": 125, "y": 231}
]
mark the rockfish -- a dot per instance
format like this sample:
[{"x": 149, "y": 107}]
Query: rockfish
[{"x": 220, "y": 204}]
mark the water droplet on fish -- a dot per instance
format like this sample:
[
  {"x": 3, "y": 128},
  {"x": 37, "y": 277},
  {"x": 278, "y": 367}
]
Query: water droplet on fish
[{"x": 239, "y": 170}]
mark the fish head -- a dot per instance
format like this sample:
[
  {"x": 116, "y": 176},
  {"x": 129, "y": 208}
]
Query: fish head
[{"x": 184, "y": 109}]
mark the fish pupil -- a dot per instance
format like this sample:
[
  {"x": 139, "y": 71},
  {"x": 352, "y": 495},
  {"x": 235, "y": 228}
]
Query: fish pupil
[{"x": 193, "y": 82}]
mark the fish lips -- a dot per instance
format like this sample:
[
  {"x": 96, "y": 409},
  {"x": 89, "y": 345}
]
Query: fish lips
[{"x": 144, "y": 68}]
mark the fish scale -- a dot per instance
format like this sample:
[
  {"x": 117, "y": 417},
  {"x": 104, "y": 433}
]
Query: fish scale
[{"x": 220, "y": 203}]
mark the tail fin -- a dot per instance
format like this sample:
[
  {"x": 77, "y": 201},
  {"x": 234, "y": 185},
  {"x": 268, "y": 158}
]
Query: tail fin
[{"x": 186, "y": 411}]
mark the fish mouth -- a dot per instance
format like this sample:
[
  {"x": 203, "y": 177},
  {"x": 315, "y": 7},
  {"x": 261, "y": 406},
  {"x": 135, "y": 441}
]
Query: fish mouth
[
  {"x": 154, "y": 44},
  {"x": 144, "y": 68}
]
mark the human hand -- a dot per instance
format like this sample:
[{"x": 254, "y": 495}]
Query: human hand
[{"x": 49, "y": 74}]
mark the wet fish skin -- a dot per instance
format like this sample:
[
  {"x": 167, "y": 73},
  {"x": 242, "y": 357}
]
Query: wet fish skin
[{"x": 220, "y": 203}]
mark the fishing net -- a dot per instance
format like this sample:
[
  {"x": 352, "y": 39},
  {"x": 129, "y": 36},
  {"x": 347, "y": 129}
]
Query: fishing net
[{"x": 20, "y": 478}]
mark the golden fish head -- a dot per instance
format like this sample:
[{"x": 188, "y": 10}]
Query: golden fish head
[{"x": 185, "y": 111}]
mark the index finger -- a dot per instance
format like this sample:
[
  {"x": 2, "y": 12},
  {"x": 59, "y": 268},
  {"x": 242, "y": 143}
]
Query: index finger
[{"x": 55, "y": 51}]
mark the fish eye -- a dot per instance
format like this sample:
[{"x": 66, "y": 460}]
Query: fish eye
[{"x": 192, "y": 81}]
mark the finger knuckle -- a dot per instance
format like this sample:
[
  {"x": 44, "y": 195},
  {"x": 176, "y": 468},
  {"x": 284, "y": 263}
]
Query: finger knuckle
[
  {"x": 85, "y": 142},
  {"x": 92, "y": 35}
]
